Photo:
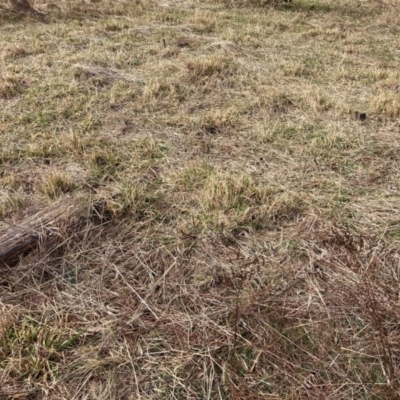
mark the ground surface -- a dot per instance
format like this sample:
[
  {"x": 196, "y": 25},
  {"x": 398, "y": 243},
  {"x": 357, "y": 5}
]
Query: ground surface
[{"x": 240, "y": 231}]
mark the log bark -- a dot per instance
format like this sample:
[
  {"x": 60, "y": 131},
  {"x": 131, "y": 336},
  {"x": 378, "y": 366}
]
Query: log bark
[{"x": 39, "y": 229}]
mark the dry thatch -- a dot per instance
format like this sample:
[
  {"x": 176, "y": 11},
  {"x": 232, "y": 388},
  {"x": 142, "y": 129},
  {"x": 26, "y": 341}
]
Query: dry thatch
[{"x": 245, "y": 239}]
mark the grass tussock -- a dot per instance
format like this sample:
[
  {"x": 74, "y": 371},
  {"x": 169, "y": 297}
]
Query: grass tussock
[{"x": 209, "y": 194}]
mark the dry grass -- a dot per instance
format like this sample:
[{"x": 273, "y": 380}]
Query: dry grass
[{"x": 242, "y": 237}]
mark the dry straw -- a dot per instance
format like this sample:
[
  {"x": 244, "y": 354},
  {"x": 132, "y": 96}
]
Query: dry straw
[{"x": 191, "y": 205}]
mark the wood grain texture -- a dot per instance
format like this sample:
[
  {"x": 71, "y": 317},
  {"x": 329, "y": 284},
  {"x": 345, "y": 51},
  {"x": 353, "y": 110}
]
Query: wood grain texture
[{"x": 38, "y": 229}]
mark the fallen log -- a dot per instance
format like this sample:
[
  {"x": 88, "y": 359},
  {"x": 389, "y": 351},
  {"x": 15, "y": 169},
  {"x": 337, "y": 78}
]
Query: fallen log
[{"x": 40, "y": 229}]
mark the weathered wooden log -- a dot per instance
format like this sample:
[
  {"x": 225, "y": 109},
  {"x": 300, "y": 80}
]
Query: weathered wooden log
[{"x": 39, "y": 229}]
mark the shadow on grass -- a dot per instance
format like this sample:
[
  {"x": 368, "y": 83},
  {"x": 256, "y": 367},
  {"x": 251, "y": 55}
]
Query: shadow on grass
[
  {"x": 8, "y": 14},
  {"x": 354, "y": 9},
  {"x": 75, "y": 12}
]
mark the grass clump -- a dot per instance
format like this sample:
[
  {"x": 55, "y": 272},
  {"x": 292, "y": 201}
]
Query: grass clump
[
  {"x": 234, "y": 202},
  {"x": 57, "y": 183},
  {"x": 10, "y": 86}
]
